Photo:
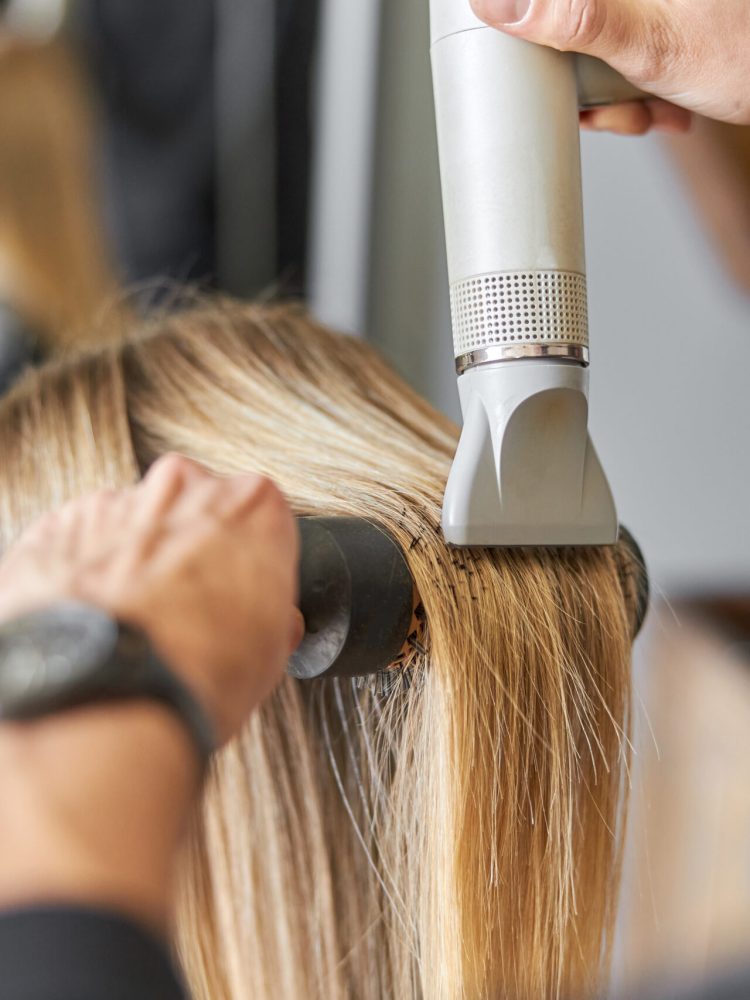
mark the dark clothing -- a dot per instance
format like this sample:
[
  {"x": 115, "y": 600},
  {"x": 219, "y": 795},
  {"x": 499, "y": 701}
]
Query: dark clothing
[
  {"x": 67, "y": 953},
  {"x": 296, "y": 34},
  {"x": 71, "y": 953},
  {"x": 153, "y": 65},
  {"x": 186, "y": 146}
]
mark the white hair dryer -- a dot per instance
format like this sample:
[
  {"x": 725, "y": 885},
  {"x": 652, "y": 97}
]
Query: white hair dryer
[{"x": 525, "y": 472}]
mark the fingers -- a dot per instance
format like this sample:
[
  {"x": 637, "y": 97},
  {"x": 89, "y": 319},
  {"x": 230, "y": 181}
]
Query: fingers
[
  {"x": 601, "y": 28},
  {"x": 643, "y": 39},
  {"x": 669, "y": 117},
  {"x": 265, "y": 530},
  {"x": 240, "y": 497},
  {"x": 297, "y": 630},
  {"x": 183, "y": 498},
  {"x": 195, "y": 507},
  {"x": 592, "y": 26},
  {"x": 179, "y": 487},
  {"x": 207, "y": 565},
  {"x": 637, "y": 118},
  {"x": 692, "y": 54},
  {"x": 164, "y": 483},
  {"x": 631, "y": 118}
]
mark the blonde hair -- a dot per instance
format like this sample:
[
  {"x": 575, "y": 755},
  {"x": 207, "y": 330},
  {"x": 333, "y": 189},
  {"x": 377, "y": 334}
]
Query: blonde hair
[
  {"x": 453, "y": 834},
  {"x": 50, "y": 226}
]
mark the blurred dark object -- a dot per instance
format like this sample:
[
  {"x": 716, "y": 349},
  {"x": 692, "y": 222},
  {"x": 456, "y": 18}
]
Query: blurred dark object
[
  {"x": 729, "y": 615},
  {"x": 207, "y": 136},
  {"x": 19, "y": 348},
  {"x": 297, "y": 34},
  {"x": 57, "y": 952},
  {"x": 714, "y": 159},
  {"x": 153, "y": 65}
]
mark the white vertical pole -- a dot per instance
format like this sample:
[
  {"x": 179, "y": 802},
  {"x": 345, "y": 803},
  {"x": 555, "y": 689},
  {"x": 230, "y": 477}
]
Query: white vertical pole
[{"x": 342, "y": 185}]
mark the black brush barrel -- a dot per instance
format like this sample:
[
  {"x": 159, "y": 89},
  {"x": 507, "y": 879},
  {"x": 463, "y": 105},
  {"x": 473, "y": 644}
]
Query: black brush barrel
[
  {"x": 356, "y": 596},
  {"x": 642, "y": 585}
]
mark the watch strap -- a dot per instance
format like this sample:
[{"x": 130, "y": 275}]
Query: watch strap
[
  {"x": 158, "y": 681},
  {"x": 121, "y": 663}
]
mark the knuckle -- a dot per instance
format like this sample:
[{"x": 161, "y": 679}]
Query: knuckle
[
  {"x": 269, "y": 493},
  {"x": 277, "y": 506},
  {"x": 263, "y": 495},
  {"x": 170, "y": 467},
  {"x": 581, "y": 24},
  {"x": 168, "y": 477},
  {"x": 257, "y": 503}
]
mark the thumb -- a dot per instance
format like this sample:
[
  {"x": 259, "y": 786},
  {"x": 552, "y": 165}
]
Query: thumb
[{"x": 634, "y": 36}]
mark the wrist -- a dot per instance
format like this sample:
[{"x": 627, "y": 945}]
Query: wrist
[{"x": 94, "y": 805}]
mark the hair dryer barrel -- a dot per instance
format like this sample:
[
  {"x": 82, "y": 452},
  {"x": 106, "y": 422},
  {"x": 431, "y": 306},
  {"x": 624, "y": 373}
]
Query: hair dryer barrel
[{"x": 507, "y": 117}]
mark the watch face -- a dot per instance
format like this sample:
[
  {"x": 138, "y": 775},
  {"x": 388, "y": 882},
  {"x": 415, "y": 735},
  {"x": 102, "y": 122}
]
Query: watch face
[{"x": 51, "y": 652}]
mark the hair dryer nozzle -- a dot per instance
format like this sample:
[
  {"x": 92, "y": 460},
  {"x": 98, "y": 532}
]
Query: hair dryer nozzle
[{"x": 525, "y": 472}]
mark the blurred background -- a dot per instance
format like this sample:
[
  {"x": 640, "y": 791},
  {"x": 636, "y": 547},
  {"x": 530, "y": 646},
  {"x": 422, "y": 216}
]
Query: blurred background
[{"x": 288, "y": 147}]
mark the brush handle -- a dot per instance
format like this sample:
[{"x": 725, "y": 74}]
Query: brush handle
[{"x": 508, "y": 135}]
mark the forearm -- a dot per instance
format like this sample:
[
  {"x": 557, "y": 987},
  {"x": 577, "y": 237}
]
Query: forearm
[
  {"x": 69, "y": 834},
  {"x": 94, "y": 801}
]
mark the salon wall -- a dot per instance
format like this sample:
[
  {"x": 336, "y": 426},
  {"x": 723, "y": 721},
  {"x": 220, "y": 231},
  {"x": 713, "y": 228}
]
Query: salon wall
[{"x": 670, "y": 333}]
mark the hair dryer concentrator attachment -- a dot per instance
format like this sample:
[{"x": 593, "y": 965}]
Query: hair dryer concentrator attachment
[
  {"x": 356, "y": 596},
  {"x": 525, "y": 471}
]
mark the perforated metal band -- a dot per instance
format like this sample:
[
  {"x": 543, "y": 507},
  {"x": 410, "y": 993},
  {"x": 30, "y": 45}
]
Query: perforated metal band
[{"x": 519, "y": 307}]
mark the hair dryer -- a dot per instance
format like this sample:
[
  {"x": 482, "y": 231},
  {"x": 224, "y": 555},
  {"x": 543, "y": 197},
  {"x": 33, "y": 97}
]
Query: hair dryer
[{"x": 525, "y": 472}]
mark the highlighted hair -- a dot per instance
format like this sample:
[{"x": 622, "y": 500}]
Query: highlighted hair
[{"x": 454, "y": 834}]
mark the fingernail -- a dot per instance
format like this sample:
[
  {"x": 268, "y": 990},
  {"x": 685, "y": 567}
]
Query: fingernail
[{"x": 507, "y": 11}]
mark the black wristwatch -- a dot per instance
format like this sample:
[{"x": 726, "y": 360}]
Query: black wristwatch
[{"x": 68, "y": 655}]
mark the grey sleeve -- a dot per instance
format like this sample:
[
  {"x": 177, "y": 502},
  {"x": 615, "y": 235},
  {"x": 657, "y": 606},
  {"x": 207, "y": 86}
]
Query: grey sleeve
[{"x": 71, "y": 953}]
